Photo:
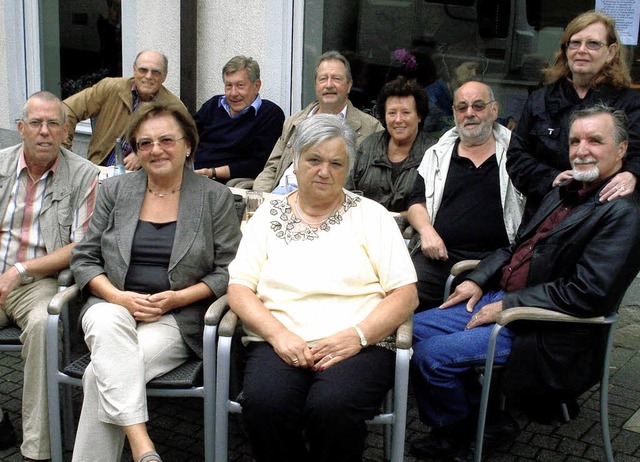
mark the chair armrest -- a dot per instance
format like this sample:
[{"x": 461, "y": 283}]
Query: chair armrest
[
  {"x": 65, "y": 278},
  {"x": 215, "y": 311},
  {"x": 61, "y": 299},
  {"x": 228, "y": 324},
  {"x": 527, "y": 313},
  {"x": 404, "y": 334},
  {"x": 463, "y": 266},
  {"x": 242, "y": 183},
  {"x": 409, "y": 232}
]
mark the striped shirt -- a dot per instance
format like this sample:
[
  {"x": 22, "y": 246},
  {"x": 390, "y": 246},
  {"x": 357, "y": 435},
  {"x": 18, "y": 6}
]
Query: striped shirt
[{"x": 21, "y": 237}]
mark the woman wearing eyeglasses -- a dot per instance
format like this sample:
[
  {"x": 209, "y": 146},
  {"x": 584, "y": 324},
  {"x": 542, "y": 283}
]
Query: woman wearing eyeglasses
[
  {"x": 588, "y": 69},
  {"x": 154, "y": 258}
]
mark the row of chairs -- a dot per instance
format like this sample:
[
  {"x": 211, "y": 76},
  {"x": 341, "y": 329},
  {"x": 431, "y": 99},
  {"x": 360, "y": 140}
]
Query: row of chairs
[{"x": 209, "y": 378}]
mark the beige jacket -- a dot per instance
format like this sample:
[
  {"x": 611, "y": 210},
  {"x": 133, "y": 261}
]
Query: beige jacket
[
  {"x": 281, "y": 156},
  {"x": 110, "y": 103}
]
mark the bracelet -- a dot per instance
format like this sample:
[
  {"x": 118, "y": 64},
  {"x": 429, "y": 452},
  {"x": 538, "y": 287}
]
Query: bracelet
[
  {"x": 363, "y": 339},
  {"x": 22, "y": 271},
  {"x": 213, "y": 173}
]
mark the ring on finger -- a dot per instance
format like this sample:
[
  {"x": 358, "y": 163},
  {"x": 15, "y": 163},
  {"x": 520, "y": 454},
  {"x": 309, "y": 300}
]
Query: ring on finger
[
  {"x": 622, "y": 188},
  {"x": 329, "y": 356},
  {"x": 294, "y": 360}
]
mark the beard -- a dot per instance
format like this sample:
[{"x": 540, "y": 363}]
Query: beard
[
  {"x": 586, "y": 176},
  {"x": 477, "y": 135}
]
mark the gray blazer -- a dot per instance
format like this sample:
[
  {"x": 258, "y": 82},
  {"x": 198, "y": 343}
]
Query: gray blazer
[{"x": 206, "y": 240}]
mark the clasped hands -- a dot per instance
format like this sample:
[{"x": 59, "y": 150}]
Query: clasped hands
[
  {"x": 469, "y": 290},
  {"x": 325, "y": 353},
  {"x": 148, "y": 307}
]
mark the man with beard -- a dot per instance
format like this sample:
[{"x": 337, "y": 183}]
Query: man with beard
[
  {"x": 463, "y": 205},
  {"x": 576, "y": 256}
]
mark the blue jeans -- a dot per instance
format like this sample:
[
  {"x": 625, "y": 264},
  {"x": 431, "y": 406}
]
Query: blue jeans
[{"x": 443, "y": 353}]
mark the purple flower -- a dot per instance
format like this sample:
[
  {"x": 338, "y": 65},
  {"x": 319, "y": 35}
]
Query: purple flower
[{"x": 406, "y": 58}]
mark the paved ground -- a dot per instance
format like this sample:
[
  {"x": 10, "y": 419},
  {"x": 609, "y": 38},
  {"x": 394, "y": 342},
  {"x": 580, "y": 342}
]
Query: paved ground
[{"x": 176, "y": 424}]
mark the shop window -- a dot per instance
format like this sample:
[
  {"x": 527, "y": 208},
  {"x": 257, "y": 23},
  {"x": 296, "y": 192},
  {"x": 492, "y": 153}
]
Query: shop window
[
  {"x": 81, "y": 43},
  {"x": 505, "y": 43}
]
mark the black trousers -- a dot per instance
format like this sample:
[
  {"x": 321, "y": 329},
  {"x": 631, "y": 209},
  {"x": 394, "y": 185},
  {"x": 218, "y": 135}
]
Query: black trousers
[{"x": 294, "y": 414}]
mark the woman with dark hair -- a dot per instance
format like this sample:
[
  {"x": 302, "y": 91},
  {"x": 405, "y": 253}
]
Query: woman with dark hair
[
  {"x": 386, "y": 161},
  {"x": 154, "y": 258},
  {"x": 588, "y": 69}
]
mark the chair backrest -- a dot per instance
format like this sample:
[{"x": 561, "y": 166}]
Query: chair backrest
[{"x": 393, "y": 415}]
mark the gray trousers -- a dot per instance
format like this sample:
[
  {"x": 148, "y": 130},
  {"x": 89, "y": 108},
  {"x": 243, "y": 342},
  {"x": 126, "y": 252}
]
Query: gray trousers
[
  {"x": 27, "y": 307},
  {"x": 125, "y": 355}
]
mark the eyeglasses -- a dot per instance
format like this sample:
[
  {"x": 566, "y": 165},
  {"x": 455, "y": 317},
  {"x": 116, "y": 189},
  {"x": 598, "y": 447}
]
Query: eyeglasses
[
  {"x": 145, "y": 70},
  {"x": 166, "y": 142},
  {"x": 36, "y": 124},
  {"x": 477, "y": 106},
  {"x": 592, "y": 45}
]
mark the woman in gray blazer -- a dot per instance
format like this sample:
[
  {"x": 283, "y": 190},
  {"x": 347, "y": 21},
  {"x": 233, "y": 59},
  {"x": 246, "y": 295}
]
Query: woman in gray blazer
[{"x": 155, "y": 256}]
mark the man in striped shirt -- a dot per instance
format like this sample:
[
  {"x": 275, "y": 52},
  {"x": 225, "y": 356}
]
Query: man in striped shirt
[{"x": 47, "y": 195}]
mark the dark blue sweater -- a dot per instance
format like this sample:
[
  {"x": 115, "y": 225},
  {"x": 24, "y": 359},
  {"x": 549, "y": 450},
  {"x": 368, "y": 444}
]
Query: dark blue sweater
[{"x": 243, "y": 143}]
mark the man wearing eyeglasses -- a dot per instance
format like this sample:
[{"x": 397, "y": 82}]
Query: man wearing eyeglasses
[
  {"x": 110, "y": 102},
  {"x": 46, "y": 200},
  {"x": 463, "y": 205}
]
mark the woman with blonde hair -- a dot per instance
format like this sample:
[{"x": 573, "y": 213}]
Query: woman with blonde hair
[{"x": 588, "y": 69}]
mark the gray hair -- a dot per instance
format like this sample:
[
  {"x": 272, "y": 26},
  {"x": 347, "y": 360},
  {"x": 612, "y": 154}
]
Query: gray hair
[
  {"x": 335, "y": 56},
  {"x": 320, "y": 128},
  {"x": 240, "y": 62},
  {"x": 44, "y": 96},
  {"x": 165, "y": 60},
  {"x": 620, "y": 119}
]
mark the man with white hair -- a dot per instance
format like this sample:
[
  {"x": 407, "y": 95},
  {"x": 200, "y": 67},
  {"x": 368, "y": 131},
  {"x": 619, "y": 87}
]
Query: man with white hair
[
  {"x": 576, "y": 256},
  {"x": 47, "y": 200},
  {"x": 463, "y": 205}
]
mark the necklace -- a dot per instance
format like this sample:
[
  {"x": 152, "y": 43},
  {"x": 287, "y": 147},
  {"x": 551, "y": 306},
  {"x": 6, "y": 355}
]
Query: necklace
[
  {"x": 314, "y": 223},
  {"x": 158, "y": 194}
]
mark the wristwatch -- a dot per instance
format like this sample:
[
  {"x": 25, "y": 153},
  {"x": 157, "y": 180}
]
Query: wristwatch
[
  {"x": 22, "y": 271},
  {"x": 213, "y": 173},
  {"x": 363, "y": 339}
]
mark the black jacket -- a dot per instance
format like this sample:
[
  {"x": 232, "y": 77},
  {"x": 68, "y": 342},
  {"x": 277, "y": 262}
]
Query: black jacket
[
  {"x": 539, "y": 147},
  {"x": 582, "y": 267},
  {"x": 372, "y": 170}
]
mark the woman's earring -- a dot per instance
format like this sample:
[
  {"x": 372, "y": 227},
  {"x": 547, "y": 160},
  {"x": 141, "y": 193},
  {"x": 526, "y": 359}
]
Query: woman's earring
[{"x": 188, "y": 153}]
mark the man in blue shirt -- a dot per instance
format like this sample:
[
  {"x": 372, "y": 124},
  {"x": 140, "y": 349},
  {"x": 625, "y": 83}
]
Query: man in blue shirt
[{"x": 238, "y": 129}]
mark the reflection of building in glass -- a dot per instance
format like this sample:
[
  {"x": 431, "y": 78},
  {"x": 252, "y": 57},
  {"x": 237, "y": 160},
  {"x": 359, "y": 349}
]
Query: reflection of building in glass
[{"x": 90, "y": 43}]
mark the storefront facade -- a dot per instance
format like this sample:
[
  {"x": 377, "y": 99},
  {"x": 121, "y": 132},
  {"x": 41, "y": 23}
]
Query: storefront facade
[{"x": 61, "y": 45}]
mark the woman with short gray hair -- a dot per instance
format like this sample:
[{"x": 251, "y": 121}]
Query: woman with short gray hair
[{"x": 321, "y": 280}]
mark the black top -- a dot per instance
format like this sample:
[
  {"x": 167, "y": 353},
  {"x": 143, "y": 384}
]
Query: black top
[
  {"x": 150, "y": 255},
  {"x": 470, "y": 219}
]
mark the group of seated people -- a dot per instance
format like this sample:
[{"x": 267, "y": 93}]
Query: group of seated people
[{"x": 321, "y": 277}]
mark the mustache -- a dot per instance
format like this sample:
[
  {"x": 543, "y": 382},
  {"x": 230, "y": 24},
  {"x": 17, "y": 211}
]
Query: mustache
[{"x": 586, "y": 160}]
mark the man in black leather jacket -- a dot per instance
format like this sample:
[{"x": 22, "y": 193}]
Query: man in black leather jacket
[{"x": 577, "y": 255}]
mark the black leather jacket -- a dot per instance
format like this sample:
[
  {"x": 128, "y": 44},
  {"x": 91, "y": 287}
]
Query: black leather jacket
[{"x": 582, "y": 267}]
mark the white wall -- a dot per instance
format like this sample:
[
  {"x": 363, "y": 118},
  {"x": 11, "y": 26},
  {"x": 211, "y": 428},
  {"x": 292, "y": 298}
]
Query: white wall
[
  {"x": 257, "y": 28},
  {"x": 4, "y": 82},
  {"x": 152, "y": 24}
]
